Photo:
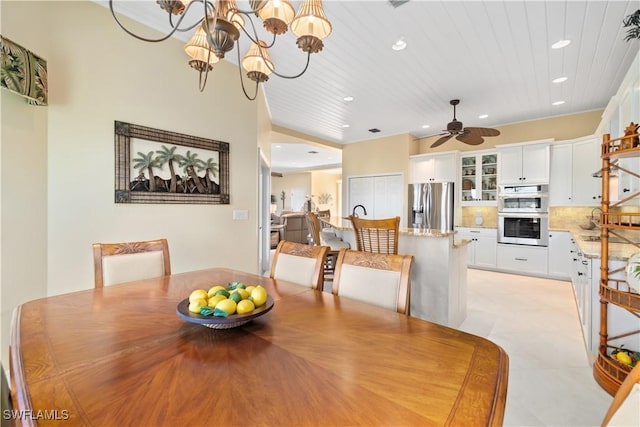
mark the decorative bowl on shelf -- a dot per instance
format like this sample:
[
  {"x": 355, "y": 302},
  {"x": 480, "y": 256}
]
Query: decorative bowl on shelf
[
  {"x": 588, "y": 224},
  {"x": 215, "y": 322}
]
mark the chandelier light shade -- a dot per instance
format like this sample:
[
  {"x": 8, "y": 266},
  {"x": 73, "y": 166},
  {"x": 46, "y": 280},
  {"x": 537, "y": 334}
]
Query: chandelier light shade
[
  {"x": 257, "y": 62},
  {"x": 276, "y": 15},
  {"x": 311, "y": 26},
  {"x": 220, "y": 24},
  {"x": 202, "y": 58}
]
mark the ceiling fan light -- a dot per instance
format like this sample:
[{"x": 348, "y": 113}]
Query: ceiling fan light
[
  {"x": 311, "y": 26},
  {"x": 222, "y": 35},
  {"x": 257, "y": 62},
  {"x": 276, "y": 16},
  {"x": 198, "y": 49}
]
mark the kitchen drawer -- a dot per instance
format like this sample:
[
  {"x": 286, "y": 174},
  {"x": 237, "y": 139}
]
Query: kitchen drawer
[{"x": 525, "y": 259}]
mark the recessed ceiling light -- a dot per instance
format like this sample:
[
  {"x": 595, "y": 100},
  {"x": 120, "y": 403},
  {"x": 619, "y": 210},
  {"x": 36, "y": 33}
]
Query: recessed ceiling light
[
  {"x": 345, "y": 126},
  {"x": 558, "y": 103},
  {"x": 560, "y": 44},
  {"x": 400, "y": 44},
  {"x": 483, "y": 116},
  {"x": 278, "y": 146},
  {"x": 426, "y": 126},
  {"x": 559, "y": 80},
  {"x": 348, "y": 98}
]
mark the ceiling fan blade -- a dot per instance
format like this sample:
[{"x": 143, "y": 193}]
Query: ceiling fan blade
[
  {"x": 470, "y": 139},
  {"x": 441, "y": 141},
  {"x": 482, "y": 131}
]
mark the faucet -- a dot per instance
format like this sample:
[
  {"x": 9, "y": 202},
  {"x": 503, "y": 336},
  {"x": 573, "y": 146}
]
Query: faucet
[{"x": 358, "y": 206}]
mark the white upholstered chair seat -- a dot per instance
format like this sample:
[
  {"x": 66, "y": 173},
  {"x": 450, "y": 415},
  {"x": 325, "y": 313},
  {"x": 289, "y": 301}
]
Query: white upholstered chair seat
[
  {"x": 377, "y": 279},
  {"x": 128, "y": 261},
  {"x": 299, "y": 263},
  {"x": 295, "y": 269},
  {"x": 130, "y": 267},
  {"x": 376, "y": 287}
]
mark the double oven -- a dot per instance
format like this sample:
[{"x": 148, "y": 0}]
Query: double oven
[{"x": 523, "y": 215}]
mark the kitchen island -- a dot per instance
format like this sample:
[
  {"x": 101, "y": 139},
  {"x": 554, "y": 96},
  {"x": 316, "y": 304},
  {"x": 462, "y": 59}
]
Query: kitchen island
[{"x": 439, "y": 273}]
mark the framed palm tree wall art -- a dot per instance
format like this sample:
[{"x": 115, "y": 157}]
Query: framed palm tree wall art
[
  {"x": 159, "y": 166},
  {"x": 23, "y": 72}
]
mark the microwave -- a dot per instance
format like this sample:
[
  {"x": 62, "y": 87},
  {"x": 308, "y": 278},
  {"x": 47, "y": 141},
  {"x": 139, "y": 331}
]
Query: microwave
[
  {"x": 530, "y": 198},
  {"x": 523, "y": 228}
]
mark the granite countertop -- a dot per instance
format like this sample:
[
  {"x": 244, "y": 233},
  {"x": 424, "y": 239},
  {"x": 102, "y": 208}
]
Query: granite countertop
[
  {"x": 617, "y": 251},
  {"x": 342, "y": 223}
]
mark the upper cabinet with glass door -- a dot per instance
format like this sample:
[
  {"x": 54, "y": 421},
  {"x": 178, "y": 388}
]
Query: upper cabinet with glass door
[{"x": 479, "y": 171}]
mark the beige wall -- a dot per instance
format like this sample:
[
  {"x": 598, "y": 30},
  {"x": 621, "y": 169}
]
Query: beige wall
[
  {"x": 559, "y": 128},
  {"x": 299, "y": 183},
  {"x": 376, "y": 156},
  {"x": 323, "y": 183},
  {"x": 98, "y": 74}
]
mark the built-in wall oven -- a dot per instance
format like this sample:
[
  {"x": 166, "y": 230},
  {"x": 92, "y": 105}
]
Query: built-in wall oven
[{"x": 523, "y": 217}]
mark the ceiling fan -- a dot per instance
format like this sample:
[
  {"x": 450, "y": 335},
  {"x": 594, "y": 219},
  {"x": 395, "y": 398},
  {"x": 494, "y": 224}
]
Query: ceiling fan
[{"x": 468, "y": 135}]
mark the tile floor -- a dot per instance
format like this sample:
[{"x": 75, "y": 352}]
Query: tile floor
[{"x": 536, "y": 321}]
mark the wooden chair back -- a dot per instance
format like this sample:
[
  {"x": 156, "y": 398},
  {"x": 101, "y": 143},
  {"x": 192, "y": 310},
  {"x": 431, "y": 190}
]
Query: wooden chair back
[
  {"x": 378, "y": 279},
  {"x": 6, "y": 401},
  {"x": 299, "y": 263},
  {"x": 313, "y": 224},
  {"x": 376, "y": 235},
  {"x": 625, "y": 407},
  {"x": 324, "y": 214},
  {"x": 124, "y": 262}
]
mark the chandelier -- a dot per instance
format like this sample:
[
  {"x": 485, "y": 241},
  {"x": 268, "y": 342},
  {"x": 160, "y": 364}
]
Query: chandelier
[{"x": 219, "y": 27}]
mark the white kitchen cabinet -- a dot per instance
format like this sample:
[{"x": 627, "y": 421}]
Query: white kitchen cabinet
[
  {"x": 522, "y": 259},
  {"x": 627, "y": 183},
  {"x": 481, "y": 250},
  {"x": 478, "y": 177},
  {"x": 587, "y": 190},
  {"x": 522, "y": 164},
  {"x": 559, "y": 255},
  {"x": 573, "y": 164},
  {"x": 433, "y": 167},
  {"x": 560, "y": 175}
]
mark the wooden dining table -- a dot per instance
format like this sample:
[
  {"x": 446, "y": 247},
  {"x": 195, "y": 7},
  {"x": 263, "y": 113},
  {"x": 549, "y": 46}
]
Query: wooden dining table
[{"x": 121, "y": 356}]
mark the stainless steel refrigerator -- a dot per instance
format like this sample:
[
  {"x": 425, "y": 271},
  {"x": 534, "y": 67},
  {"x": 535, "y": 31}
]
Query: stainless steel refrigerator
[{"x": 431, "y": 206}]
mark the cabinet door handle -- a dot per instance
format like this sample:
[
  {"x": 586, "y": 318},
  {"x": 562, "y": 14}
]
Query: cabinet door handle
[
  {"x": 580, "y": 274},
  {"x": 585, "y": 263},
  {"x": 474, "y": 231},
  {"x": 521, "y": 259},
  {"x": 625, "y": 190}
]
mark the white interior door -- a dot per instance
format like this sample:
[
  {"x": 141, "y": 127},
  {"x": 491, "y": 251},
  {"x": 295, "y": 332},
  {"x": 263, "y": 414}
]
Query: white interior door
[{"x": 381, "y": 195}]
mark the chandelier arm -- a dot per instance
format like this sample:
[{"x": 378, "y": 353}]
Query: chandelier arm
[
  {"x": 240, "y": 75},
  {"x": 284, "y": 76},
  {"x": 163, "y": 38},
  {"x": 207, "y": 4},
  {"x": 254, "y": 37}
]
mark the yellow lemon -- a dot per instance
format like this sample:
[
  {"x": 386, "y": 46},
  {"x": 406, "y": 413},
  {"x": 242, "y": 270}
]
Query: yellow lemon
[
  {"x": 245, "y": 306},
  {"x": 623, "y": 357},
  {"x": 243, "y": 293},
  {"x": 259, "y": 296},
  {"x": 215, "y": 300},
  {"x": 227, "y": 305},
  {"x": 196, "y": 305},
  {"x": 214, "y": 289},
  {"x": 249, "y": 289},
  {"x": 198, "y": 294}
]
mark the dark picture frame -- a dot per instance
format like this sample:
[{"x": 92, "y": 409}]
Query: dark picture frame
[{"x": 181, "y": 173}]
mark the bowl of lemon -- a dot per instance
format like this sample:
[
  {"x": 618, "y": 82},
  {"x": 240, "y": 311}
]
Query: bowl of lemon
[{"x": 225, "y": 307}]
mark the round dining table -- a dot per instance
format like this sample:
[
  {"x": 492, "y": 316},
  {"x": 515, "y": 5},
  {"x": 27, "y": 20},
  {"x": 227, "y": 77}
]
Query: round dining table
[{"x": 121, "y": 356}]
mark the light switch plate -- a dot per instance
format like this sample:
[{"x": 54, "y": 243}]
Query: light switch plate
[{"x": 241, "y": 214}]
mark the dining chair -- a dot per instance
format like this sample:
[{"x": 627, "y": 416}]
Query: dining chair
[
  {"x": 299, "y": 263},
  {"x": 124, "y": 262},
  {"x": 324, "y": 237},
  {"x": 376, "y": 235},
  {"x": 379, "y": 279},
  {"x": 625, "y": 407}
]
